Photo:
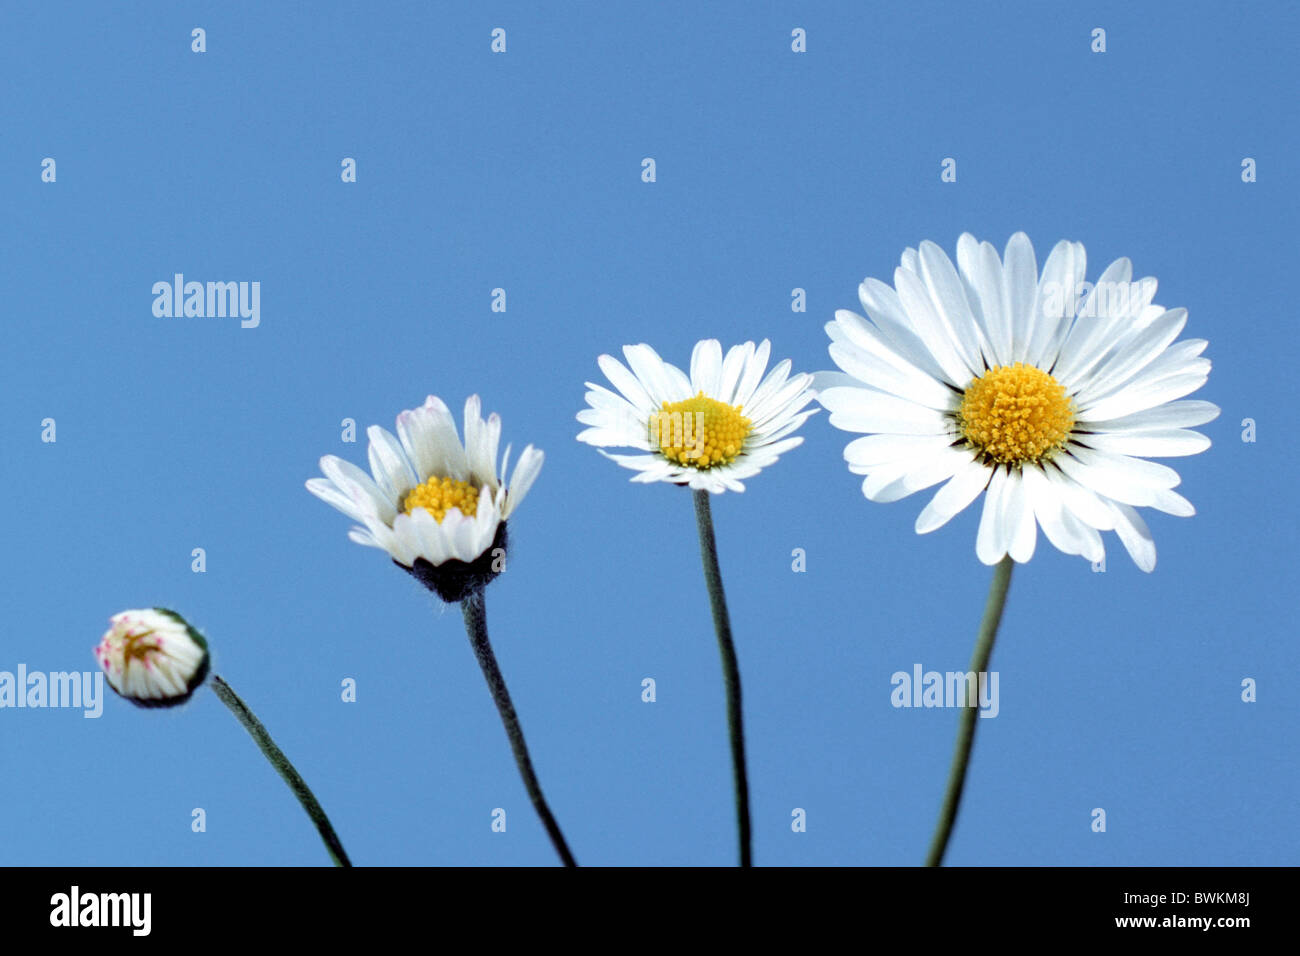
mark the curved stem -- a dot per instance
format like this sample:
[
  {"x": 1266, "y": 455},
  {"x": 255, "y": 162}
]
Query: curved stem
[
  {"x": 284, "y": 768},
  {"x": 730, "y": 668},
  {"x": 966, "y": 729},
  {"x": 476, "y": 625}
]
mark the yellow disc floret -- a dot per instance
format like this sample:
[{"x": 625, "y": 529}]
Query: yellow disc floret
[
  {"x": 137, "y": 646},
  {"x": 438, "y": 495},
  {"x": 1016, "y": 414},
  {"x": 699, "y": 432}
]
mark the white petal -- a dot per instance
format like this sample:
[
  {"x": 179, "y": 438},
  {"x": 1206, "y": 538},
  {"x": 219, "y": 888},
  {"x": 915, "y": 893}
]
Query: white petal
[
  {"x": 357, "y": 485},
  {"x": 1093, "y": 328},
  {"x": 649, "y": 369},
  {"x": 872, "y": 450},
  {"x": 626, "y": 383},
  {"x": 788, "y": 426},
  {"x": 948, "y": 296},
  {"x": 933, "y": 329},
  {"x": 914, "y": 475},
  {"x": 1018, "y": 513},
  {"x": 481, "y": 442},
  {"x": 990, "y": 542},
  {"x": 825, "y": 380},
  {"x": 639, "y": 462},
  {"x": 1140, "y": 396},
  {"x": 768, "y": 453},
  {"x": 772, "y": 385},
  {"x": 1158, "y": 443},
  {"x": 1130, "y": 480},
  {"x": 885, "y": 309},
  {"x": 388, "y": 464},
  {"x": 432, "y": 428},
  {"x": 526, "y": 472},
  {"x": 732, "y": 366},
  {"x": 1054, "y": 302},
  {"x": 971, "y": 478},
  {"x": 611, "y": 438},
  {"x": 1061, "y": 528},
  {"x": 865, "y": 355},
  {"x": 752, "y": 375},
  {"x": 423, "y": 532},
  {"x": 1019, "y": 291},
  {"x": 465, "y": 540},
  {"x": 362, "y": 536},
  {"x": 325, "y": 490},
  {"x": 1082, "y": 502},
  {"x": 1135, "y": 535},
  {"x": 1172, "y": 503},
  {"x": 413, "y": 429},
  {"x": 866, "y": 410},
  {"x": 1180, "y": 414},
  {"x": 982, "y": 269},
  {"x": 1132, "y": 355},
  {"x": 786, "y": 400}
]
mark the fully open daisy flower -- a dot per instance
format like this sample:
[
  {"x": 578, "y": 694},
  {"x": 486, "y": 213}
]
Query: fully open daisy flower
[
  {"x": 991, "y": 378},
  {"x": 431, "y": 501},
  {"x": 708, "y": 431}
]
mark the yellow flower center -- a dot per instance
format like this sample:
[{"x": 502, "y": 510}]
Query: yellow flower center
[
  {"x": 135, "y": 647},
  {"x": 1016, "y": 414},
  {"x": 437, "y": 495},
  {"x": 699, "y": 432}
]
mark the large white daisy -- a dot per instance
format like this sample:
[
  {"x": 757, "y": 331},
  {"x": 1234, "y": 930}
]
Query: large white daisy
[
  {"x": 1046, "y": 393},
  {"x": 723, "y": 423},
  {"x": 430, "y": 498}
]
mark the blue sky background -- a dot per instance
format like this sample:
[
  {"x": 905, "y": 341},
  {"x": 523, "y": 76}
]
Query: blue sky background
[{"x": 775, "y": 170}]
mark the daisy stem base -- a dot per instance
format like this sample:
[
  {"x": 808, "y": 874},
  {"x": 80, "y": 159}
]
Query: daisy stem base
[
  {"x": 284, "y": 768},
  {"x": 966, "y": 729},
  {"x": 476, "y": 625},
  {"x": 730, "y": 668}
]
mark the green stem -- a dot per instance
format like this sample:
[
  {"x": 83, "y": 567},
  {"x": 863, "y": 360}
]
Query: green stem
[
  {"x": 966, "y": 730},
  {"x": 284, "y": 768},
  {"x": 476, "y": 624},
  {"x": 730, "y": 669}
]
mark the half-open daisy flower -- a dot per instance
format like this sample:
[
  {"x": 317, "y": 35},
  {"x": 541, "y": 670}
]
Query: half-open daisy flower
[
  {"x": 1046, "y": 393},
  {"x": 708, "y": 431},
  {"x": 439, "y": 508},
  {"x": 432, "y": 502}
]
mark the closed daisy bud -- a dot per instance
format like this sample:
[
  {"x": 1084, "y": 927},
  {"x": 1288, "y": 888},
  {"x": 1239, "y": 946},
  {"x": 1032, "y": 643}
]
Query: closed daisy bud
[{"x": 152, "y": 657}]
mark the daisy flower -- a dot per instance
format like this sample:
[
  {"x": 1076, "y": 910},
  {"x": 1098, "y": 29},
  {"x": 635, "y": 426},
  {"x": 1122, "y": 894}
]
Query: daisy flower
[
  {"x": 152, "y": 657},
  {"x": 438, "y": 507},
  {"x": 1045, "y": 394},
  {"x": 709, "y": 431},
  {"x": 722, "y": 424}
]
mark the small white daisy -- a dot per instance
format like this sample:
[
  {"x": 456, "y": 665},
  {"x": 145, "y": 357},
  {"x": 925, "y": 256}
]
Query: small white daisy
[
  {"x": 1045, "y": 392},
  {"x": 708, "y": 431},
  {"x": 152, "y": 657},
  {"x": 431, "y": 501}
]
